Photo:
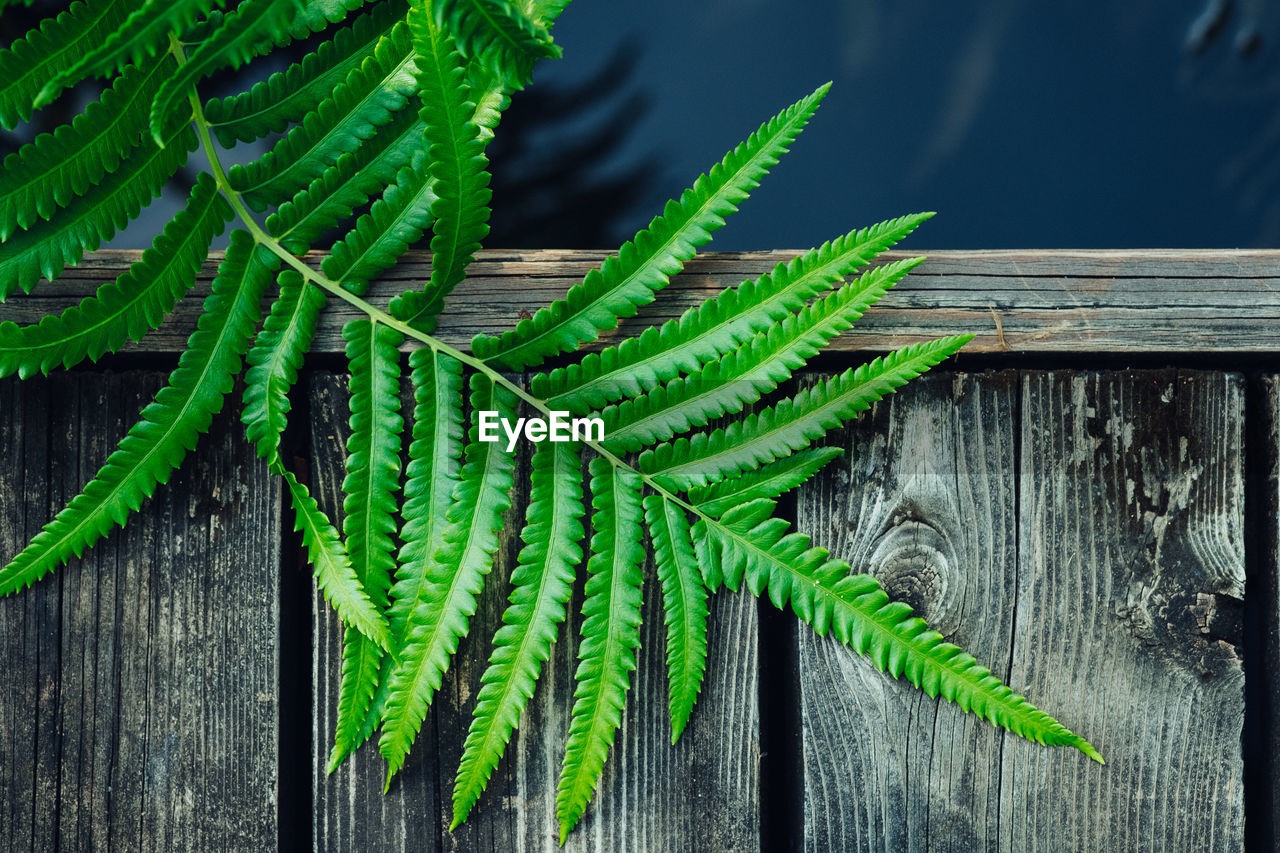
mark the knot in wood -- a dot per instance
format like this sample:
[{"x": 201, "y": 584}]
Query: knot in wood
[{"x": 914, "y": 563}]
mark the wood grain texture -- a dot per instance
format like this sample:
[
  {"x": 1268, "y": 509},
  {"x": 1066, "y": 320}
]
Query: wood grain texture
[
  {"x": 138, "y": 705},
  {"x": 701, "y": 794},
  {"x": 1032, "y": 301},
  {"x": 924, "y": 500},
  {"x": 1107, "y": 588}
]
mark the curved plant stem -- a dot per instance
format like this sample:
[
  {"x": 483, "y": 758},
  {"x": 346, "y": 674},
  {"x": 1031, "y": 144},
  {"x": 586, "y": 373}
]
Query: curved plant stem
[{"x": 373, "y": 312}]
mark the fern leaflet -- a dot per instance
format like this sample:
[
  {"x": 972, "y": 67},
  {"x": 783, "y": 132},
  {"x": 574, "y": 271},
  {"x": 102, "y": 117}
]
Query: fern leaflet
[
  {"x": 541, "y": 585},
  {"x": 168, "y": 427},
  {"x": 824, "y": 593},
  {"x": 373, "y": 470},
  {"x": 684, "y": 601},
  {"x": 792, "y": 423},
  {"x": 454, "y": 578},
  {"x": 644, "y": 265},
  {"x": 129, "y": 307},
  {"x": 610, "y": 636}
]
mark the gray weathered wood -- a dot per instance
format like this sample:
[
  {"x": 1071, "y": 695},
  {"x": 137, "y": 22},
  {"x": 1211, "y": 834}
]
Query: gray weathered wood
[
  {"x": 1108, "y": 589},
  {"x": 1265, "y": 588},
  {"x": 925, "y": 501},
  {"x": 138, "y": 705},
  {"x": 701, "y": 794},
  {"x": 1022, "y": 301}
]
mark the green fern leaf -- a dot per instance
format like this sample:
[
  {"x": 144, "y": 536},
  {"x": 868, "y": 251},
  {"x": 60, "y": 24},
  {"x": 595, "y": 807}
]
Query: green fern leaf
[
  {"x": 717, "y": 326},
  {"x": 373, "y": 470},
  {"x": 334, "y": 575},
  {"x": 398, "y": 219},
  {"x": 742, "y": 376},
  {"x": 767, "y": 481},
  {"x": 644, "y": 265},
  {"x": 168, "y": 427},
  {"x": 430, "y": 481},
  {"x": 144, "y": 34},
  {"x": 456, "y": 162},
  {"x": 542, "y": 583},
  {"x": 271, "y": 105},
  {"x": 684, "y": 601},
  {"x": 53, "y": 170},
  {"x": 254, "y": 26},
  {"x": 454, "y": 578},
  {"x": 129, "y": 307},
  {"x": 824, "y": 593},
  {"x": 792, "y": 423},
  {"x": 46, "y": 248},
  {"x": 610, "y": 636},
  {"x": 393, "y": 224},
  {"x": 370, "y": 97},
  {"x": 39, "y": 56},
  {"x": 274, "y": 360},
  {"x": 499, "y": 38}
]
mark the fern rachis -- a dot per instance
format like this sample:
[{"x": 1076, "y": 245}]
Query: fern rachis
[{"x": 399, "y": 109}]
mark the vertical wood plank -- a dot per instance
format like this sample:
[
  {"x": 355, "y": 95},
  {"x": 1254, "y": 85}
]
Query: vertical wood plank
[
  {"x": 1107, "y": 587},
  {"x": 139, "y": 707},
  {"x": 699, "y": 794},
  {"x": 1129, "y": 611},
  {"x": 1265, "y": 591},
  {"x": 923, "y": 500}
]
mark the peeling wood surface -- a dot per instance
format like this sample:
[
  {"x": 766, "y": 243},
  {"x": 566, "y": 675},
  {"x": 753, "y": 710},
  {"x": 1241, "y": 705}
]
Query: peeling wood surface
[
  {"x": 653, "y": 796},
  {"x": 1032, "y": 301},
  {"x": 138, "y": 700},
  {"x": 1106, "y": 583}
]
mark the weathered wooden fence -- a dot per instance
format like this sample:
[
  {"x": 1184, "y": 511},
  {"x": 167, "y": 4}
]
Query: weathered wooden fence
[{"x": 1086, "y": 499}]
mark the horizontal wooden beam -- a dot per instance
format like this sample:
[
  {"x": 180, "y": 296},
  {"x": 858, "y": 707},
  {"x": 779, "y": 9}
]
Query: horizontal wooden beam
[{"x": 1025, "y": 301}]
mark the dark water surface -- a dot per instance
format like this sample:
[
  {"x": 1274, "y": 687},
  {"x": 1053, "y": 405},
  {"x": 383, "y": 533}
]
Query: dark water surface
[
  {"x": 1025, "y": 125},
  {"x": 1137, "y": 124}
]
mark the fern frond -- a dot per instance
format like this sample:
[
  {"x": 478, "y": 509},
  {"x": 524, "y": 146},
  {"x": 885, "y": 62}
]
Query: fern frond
[
  {"x": 743, "y": 375},
  {"x": 253, "y": 26},
  {"x": 610, "y": 636},
  {"x": 457, "y": 164},
  {"x": 767, "y": 481},
  {"x": 684, "y": 603},
  {"x": 393, "y": 224},
  {"x": 144, "y": 34},
  {"x": 430, "y": 480},
  {"x": 373, "y": 471},
  {"x": 168, "y": 427},
  {"x": 370, "y": 97},
  {"x": 645, "y": 265},
  {"x": 499, "y": 38},
  {"x": 46, "y": 248},
  {"x": 39, "y": 56},
  {"x": 455, "y": 576},
  {"x": 128, "y": 307},
  {"x": 542, "y": 583},
  {"x": 334, "y": 575},
  {"x": 823, "y": 592},
  {"x": 717, "y": 326},
  {"x": 792, "y": 423},
  {"x": 271, "y": 105},
  {"x": 52, "y": 170},
  {"x": 274, "y": 359}
]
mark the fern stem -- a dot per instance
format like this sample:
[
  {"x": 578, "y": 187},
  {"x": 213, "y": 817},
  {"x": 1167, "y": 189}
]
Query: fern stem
[{"x": 374, "y": 313}]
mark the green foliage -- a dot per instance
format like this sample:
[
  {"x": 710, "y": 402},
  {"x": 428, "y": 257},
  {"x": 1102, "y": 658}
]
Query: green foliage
[{"x": 385, "y": 129}]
